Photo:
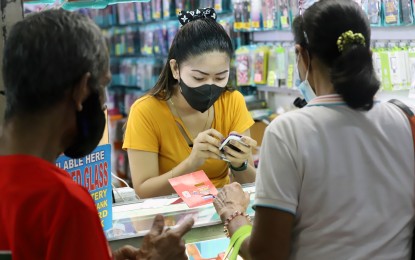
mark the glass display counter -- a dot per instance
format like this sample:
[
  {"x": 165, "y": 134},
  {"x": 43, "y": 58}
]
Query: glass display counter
[{"x": 131, "y": 222}]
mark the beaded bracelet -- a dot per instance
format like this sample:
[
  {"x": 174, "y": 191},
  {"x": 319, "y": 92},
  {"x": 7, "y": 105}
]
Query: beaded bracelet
[{"x": 232, "y": 217}]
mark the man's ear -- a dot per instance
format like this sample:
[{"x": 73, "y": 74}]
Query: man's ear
[
  {"x": 81, "y": 91},
  {"x": 174, "y": 67}
]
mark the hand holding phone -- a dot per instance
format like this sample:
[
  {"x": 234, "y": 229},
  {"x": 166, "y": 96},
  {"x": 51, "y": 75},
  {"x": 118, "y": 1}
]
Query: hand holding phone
[{"x": 227, "y": 142}]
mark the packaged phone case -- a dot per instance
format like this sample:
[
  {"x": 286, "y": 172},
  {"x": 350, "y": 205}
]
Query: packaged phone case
[
  {"x": 261, "y": 64},
  {"x": 180, "y": 6},
  {"x": 126, "y": 13},
  {"x": 206, "y": 3},
  {"x": 146, "y": 12},
  {"x": 391, "y": 12},
  {"x": 238, "y": 12},
  {"x": 244, "y": 66},
  {"x": 168, "y": 9},
  {"x": 269, "y": 14},
  {"x": 255, "y": 19},
  {"x": 373, "y": 9},
  {"x": 172, "y": 28},
  {"x": 156, "y": 9},
  {"x": 218, "y": 5},
  {"x": 159, "y": 40},
  {"x": 284, "y": 14},
  {"x": 139, "y": 12},
  {"x": 276, "y": 66},
  {"x": 246, "y": 14},
  {"x": 406, "y": 12}
]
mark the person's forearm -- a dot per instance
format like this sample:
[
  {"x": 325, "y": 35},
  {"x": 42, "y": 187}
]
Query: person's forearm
[
  {"x": 233, "y": 226},
  {"x": 160, "y": 186},
  {"x": 246, "y": 176}
]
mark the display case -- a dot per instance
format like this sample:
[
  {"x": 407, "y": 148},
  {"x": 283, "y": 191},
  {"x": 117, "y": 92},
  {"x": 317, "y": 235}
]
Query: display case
[{"x": 131, "y": 222}]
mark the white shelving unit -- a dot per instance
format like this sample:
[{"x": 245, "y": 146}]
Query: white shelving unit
[
  {"x": 378, "y": 33},
  {"x": 278, "y": 90}
]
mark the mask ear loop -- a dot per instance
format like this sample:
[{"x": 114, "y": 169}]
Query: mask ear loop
[{"x": 308, "y": 67}]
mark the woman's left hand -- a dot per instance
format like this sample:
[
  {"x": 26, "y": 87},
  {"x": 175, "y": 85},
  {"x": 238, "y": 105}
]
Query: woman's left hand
[{"x": 236, "y": 158}]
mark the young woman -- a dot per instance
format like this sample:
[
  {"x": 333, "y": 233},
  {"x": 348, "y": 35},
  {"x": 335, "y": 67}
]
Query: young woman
[
  {"x": 178, "y": 128},
  {"x": 336, "y": 178}
]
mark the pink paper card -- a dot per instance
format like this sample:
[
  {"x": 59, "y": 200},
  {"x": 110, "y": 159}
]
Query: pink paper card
[{"x": 194, "y": 188}]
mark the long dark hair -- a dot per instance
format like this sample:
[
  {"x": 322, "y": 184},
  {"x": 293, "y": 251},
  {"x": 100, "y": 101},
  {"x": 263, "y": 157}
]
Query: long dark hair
[
  {"x": 195, "y": 38},
  {"x": 351, "y": 70}
]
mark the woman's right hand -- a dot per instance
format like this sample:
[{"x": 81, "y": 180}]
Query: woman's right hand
[
  {"x": 205, "y": 146},
  {"x": 230, "y": 199}
]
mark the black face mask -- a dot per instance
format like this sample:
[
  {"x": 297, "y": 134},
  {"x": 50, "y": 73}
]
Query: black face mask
[
  {"x": 201, "y": 98},
  {"x": 91, "y": 125}
]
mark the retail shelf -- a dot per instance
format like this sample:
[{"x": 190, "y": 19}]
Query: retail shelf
[
  {"x": 393, "y": 33},
  {"x": 279, "y": 90},
  {"x": 152, "y": 21},
  {"x": 378, "y": 33},
  {"x": 272, "y": 36}
]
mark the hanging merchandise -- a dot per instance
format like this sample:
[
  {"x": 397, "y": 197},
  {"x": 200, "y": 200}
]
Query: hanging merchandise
[
  {"x": 156, "y": 7},
  {"x": 406, "y": 12},
  {"x": 255, "y": 20},
  {"x": 146, "y": 39},
  {"x": 126, "y": 13},
  {"x": 139, "y": 12},
  {"x": 168, "y": 9},
  {"x": 270, "y": 14},
  {"x": 294, "y": 9},
  {"x": 291, "y": 61},
  {"x": 284, "y": 14},
  {"x": 242, "y": 14},
  {"x": 244, "y": 66},
  {"x": 394, "y": 64},
  {"x": 276, "y": 66},
  {"x": 206, "y": 4},
  {"x": 185, "y": 5},
  {"x": 373, "y": 10},
  {"x": 119, "y": 41},
  {"x": 172, "y": 28},
  {"x": 146, "y": 8},
  {"x": 391, "y": 12},
  {"x": 160, "y": 40},
  {"x": 260, "y": 62}
]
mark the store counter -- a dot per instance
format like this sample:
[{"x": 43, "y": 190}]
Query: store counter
[{"x": 131, "y": 222}]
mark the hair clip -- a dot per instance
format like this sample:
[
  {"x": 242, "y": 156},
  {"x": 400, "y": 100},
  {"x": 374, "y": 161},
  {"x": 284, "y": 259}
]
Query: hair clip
[
  {"x": 189, "y": 16},
  {"x": 348, "y": 38}
]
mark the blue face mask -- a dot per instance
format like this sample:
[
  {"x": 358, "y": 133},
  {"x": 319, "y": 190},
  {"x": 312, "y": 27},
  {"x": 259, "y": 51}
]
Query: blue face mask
[{"x": 303, "y": 86}]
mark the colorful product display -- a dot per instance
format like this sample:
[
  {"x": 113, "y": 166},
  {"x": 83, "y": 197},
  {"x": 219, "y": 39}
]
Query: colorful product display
[
  {"x": 253, "y": 15},
  {"x": 273, "y": 65},
  {"x": 395, "y": 65}
]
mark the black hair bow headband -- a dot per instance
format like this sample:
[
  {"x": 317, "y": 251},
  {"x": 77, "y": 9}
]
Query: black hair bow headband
[{"x": 188, "y": 16}]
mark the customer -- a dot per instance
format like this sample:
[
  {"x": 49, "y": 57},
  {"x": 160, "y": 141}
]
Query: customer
[
  {"x": 336, "y": 178},
  {"x": 178, "y": 128},
  {"x": 55, "y": 70}
]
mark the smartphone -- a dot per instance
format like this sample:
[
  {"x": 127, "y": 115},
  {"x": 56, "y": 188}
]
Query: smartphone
[{"x": 226, "y": 142}]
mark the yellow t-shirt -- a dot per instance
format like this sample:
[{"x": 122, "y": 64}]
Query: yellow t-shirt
[{"x": 152, "y": 127}]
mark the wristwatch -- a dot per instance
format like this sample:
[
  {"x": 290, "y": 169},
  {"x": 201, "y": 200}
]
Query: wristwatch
[{"x": 243, "y": 167}]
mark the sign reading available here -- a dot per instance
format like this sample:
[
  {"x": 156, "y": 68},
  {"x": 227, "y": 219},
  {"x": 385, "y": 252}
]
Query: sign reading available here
[{"x": 94, "y": 173}]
